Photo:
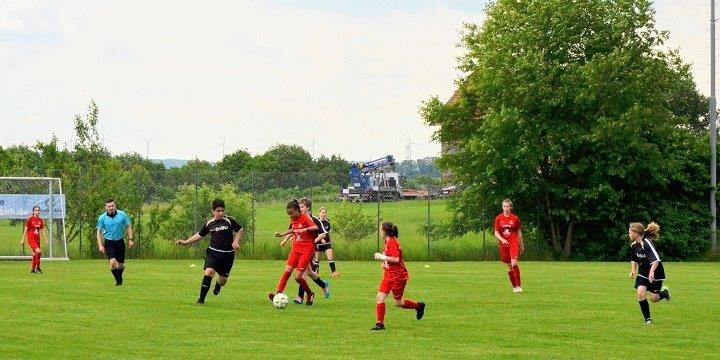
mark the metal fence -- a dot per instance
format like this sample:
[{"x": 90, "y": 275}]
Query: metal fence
[{"x": 172, "y": 205}]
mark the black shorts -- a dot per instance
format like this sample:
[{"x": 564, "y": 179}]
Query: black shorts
[
  {"x": 221, "y": 262},
  {"x": 323, "y": 247},
  {"x": 653, "y": 287},
  {"x": 115, "y": 249}
]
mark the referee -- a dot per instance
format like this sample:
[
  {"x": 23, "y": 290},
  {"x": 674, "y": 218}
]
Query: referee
[{"x": 111, "y": 226}]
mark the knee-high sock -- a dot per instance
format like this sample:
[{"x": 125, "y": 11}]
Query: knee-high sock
[
  {"x": 645, "y": 308},
  {"x": 332, "y": 265},
  {"x": 380, "y": 312},
  {"x": 283, "y": 281},
  {"x": 37, "y": 260},
  {"x": 304, "y": 285},
  {"x": 116, "y": 274},
  {"x": 511, "y": 276},
  {"x": 516, "y": 272},
  {"x": 205, "y": 286},
  {"x": 319, "y": 282},
  {"x": 409, "y": 304}
]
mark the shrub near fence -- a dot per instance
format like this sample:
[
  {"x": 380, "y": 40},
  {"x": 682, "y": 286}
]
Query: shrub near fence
[{"x": 173, "y": 207}]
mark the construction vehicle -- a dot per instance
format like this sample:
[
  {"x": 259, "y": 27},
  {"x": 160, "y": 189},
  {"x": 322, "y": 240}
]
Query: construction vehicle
[{"x": 376, "y": 180}]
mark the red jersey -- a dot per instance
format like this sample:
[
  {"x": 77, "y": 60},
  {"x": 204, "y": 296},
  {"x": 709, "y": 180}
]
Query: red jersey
[
  {"x": 303, "y": 242},
  {"x": 508, "y": 227},
  {"x": 394, "y": 271},
  {"x": 33, "y": 225}
]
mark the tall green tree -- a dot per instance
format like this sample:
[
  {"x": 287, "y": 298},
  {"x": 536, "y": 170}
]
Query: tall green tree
[{"x": 572, "y": 110}]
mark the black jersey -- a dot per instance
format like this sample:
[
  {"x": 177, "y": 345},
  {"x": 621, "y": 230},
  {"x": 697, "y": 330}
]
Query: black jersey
[
  {"x": 644, "y": 254},
  {"x": 221, "y": 233},
  {"x": 318, "y": 223},
  {"x": 326, "y": 227}
]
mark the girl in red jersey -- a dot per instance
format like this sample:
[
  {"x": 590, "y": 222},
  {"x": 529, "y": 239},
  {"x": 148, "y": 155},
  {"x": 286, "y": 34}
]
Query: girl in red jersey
[
  {"x": 33, "y": 231},
  {"x": 303, "y": 229},
  {"x": 395, "y": 277},
  {"x": 510, "y": 241}
]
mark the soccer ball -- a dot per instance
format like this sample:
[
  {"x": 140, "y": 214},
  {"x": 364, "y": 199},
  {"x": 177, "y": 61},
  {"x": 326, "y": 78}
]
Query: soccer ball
[{"x": 280, "y": 300}]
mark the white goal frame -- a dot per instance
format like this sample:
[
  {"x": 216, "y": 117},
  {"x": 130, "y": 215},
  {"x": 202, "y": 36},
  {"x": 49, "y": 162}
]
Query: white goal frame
[{"x": 16, "y": 204}]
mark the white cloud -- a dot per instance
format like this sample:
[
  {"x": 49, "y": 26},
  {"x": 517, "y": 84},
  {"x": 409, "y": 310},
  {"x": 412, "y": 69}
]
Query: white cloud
[{"x": 186, "y": 78}]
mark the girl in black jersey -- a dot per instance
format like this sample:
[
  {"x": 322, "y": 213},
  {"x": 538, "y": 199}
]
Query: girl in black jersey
[{"x": 646, "y": 267}]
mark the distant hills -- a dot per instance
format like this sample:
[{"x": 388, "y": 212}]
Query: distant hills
[{"x": 170, "y": 163}]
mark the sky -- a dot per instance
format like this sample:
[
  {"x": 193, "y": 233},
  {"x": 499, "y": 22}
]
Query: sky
[{"x": 180, "y": 80}]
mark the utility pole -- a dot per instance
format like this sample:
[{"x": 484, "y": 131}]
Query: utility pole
[{"x": 713, "y": 133}]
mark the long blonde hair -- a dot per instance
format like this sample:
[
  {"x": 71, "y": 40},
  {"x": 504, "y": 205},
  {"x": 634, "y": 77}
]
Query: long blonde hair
[{"x": 652, "y": 231}]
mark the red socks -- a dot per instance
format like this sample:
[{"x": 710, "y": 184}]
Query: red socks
[
  {"x": 516, "y": 272},
  {"x": 380, "y": 312}
]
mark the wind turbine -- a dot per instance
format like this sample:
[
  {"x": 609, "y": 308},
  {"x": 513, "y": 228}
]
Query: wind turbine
[
  {"x": 408, "y": 147},
  {"x": 312, "y": 145}
]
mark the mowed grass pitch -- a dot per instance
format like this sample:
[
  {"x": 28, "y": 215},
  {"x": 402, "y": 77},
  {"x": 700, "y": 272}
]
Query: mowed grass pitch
[{"x": 568, "y": 310}]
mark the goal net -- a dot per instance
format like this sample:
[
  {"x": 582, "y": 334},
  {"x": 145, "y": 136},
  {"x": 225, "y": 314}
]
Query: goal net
[{"x": 18, "y": 196}]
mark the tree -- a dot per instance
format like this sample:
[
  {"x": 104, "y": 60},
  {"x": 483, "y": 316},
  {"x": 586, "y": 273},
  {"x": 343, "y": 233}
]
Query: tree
[
  {"x": 571, "y": 110},
  {"x": 236, "y": 162}
]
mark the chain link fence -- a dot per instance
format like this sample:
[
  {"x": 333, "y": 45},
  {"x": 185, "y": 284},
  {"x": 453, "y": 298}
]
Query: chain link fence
[{"x": 171, "y": 205}]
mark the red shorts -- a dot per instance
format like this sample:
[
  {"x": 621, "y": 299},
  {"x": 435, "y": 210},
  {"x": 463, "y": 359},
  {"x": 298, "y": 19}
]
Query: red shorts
[
  {"x": 299, "y": 260},
  {"x": 396, "y": 286},
  {"x": 508, "y": 252},
  {"x": 34, "y": 244}
]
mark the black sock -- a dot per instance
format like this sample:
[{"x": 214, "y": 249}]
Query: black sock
[
  {"x": 301, "y": 292},
  {"x": 120, "y": 272},
  {"x": 332, "y": 265},
  {"x": 205, "y": 287},
  {"x": 645, "y": 308},
  {"x": 116, "y": 275},
  {"x": 319, "y": 282},
  {"x": 315, "y": 266}
]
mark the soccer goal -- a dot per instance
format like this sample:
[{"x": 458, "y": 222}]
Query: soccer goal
[{"x": 18, "y": 196}]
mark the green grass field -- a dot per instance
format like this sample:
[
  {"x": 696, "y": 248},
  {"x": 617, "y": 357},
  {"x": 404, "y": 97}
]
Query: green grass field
[{"x": 568, "y": 311}]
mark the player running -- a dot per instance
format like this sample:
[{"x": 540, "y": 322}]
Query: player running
[
  {"x": 646, "y": 267},
  {"x": 395, "y": 277},
  {"x": 303, "y": 245},
  {"x": 220, "y": 253}
]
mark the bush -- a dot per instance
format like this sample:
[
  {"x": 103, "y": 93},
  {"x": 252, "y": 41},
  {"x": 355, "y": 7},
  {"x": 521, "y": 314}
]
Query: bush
[{"x": 350, "y": 223}]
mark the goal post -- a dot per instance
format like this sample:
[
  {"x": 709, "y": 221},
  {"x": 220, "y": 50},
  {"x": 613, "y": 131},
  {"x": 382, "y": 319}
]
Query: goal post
[{"x": 18, "y": 196}]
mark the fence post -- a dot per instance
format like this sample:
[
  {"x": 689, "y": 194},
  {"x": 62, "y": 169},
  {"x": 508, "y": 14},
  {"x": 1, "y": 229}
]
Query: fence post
[{"x": 428, "y": 226}]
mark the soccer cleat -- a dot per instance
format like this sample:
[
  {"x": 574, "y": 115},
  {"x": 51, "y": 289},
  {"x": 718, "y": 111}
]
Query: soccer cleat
[
  {"x": 38, "y": 270},
  {"x": 271, "y": 296},
  {"x": 310, "y": 299},
  {"x": 515, "y": 289},
  {"x": 336, "y": 274},
  {"x": 420, "y": 310},
  {"x": 519, "y": 289},
  {"x": 217, "y": 288},
  {"x": 648, "y": 321},
  {"x": 666, "y": 293},
  {"x": 326, "y": 289},
  {"x": 378, "y": 326},
  {"x": 33, "y": 271},
  {"x": 200, "y": 301},
  {"x": 298, "y": 300}
]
